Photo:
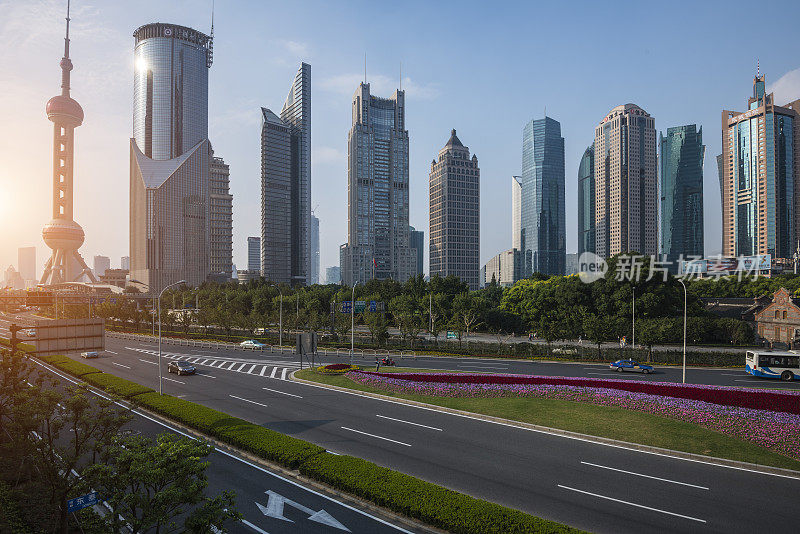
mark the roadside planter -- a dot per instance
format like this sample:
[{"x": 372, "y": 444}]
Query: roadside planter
[{"x": 337, "y": 369}]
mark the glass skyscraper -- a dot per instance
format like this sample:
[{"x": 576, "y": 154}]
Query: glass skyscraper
[
  {"x": 543, "y": 228},
  {"x": 586, "y": 194},
  {"x": 254, "y": 254},
  {"x": 417, "y": 241},
  {"x": 761, "y": 168},
  {"x": 170, "y": 157},
  {"x": 221, "y": 220},
  {"x": 377, "y": 191},
  {"x": 681, "y": 160},
  {"x": 286, "y": 186}
]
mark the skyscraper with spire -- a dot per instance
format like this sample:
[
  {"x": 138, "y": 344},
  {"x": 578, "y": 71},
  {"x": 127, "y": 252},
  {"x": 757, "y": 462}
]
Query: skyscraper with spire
[
  {"x": 62, "y": 233},
  {"x": 760, "y": 176}
]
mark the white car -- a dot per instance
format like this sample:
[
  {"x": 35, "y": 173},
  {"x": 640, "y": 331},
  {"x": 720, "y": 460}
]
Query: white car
[
  {"x": 90, "y": 354},
  {"x": 251, "y": 344}
]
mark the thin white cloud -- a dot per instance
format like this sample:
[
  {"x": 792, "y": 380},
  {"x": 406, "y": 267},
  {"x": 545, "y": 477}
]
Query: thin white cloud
[
  {"x": 301, "y": 50},
  {"x": 346, "y": 84},
  {"x": 787, "y": 87}
]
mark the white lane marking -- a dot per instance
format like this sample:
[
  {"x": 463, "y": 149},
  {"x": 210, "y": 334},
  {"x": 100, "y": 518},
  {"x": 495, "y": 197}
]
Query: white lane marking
[
  {"x": 283, "y": 374},
  {"x": 481, "y": 367},
  {"x": 374, "y": 436},
  {"x": 195, "y": 360},
  {"x": 231, "y": 455},
  {"x": 743, "y": 373},
  {"x": 111, "y": 351},
  {"x": 203, "y": 362},
  {"x": 264, "y": 368},
  {"x": 205, "y": 375},
  {"x": 645, "y": 476},
  {"x": 632, "y": 504},
  {"x": 409, "y": 422},
  {"x": 248, "y": 400},
  {"x": 250, "y": 371},
  {"x": 229, "y": 367},
  {"x": 119, "y": 364},
  {"x": 173, "y": 380},
  {"x": 251, "y": 525},
  {"x": 274, "y": 370},
  {"x": 283, "y": 393},
  {"x": 616, "y": 374},
  {"x": 554, "y": 434},
  {"x": 147, "y": 361}
]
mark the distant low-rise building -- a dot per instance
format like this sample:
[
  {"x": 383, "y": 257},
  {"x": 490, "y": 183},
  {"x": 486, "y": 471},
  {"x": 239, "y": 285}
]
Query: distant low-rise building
[
  {"x": 245, "y": 276},
  {"x": 115, "y": 277},
  {"x": 779, "y": 321},
  {"x": 505, "y": 269}
]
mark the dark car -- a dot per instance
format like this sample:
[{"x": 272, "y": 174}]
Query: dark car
[
  {"x": 181, "y": 368},
  {"x": 630, "y": 365}
]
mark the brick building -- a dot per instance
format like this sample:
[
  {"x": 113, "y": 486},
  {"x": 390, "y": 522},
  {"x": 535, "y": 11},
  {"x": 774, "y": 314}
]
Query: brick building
[{"x": 779, "y": 321}]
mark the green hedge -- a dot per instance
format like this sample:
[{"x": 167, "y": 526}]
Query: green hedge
[
  {"x": 274, "y": 446},
  {"x": 430, "y": 503},
  {"x": 116, "y": 385},
  {"x": 27, "y": 347},
  {"x": 405, "y": 494}
]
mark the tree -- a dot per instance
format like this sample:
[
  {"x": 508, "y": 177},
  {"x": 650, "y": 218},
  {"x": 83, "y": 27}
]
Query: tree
[
  {"x": 151, "y": 483},
  {"x": 342, "y": 324},
  {"x": 468, "y": 310},
  {"x": 598, "y": 329},
  {"x": 378, "y": 326}
]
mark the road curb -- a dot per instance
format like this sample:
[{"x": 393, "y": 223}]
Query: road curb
[{"x": 779, "y": 471}]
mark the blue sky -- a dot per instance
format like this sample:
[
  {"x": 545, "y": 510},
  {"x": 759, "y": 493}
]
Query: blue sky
[{"x": 482, "y": 68}]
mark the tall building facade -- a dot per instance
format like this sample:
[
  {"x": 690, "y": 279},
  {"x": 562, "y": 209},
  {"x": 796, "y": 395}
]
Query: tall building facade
[
  {"x": 681, "y": 158},
  {"x": 170, "y": 215},
  {"x": 455, "y": 213},
  {"x": 221, "y": 219},
  {"x": 125, "y": 263},
  {"x": 101, "y": 265},
  {"x": 543, "y": 238},
  {"x": 586, "y": 195},
  {"x": 62, "y": 234},
  {"x": 26, "y": 262},
  {"x": 286, "y": 186},
  {"x": 333, "y": 275},
  {"x": 505, "y": 268},
  {"x": 377, "y": 191},
  {"x": 760, "y": 177},
  {"x": 254, "y": 254},
  {"x": 626, "y": 188},
  {"x": 516, "y": 212},
  {"x": 417, "y": 241},
  {"x": 313, "y": 277}
]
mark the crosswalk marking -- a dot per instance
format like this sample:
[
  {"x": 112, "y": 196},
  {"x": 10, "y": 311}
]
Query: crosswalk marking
[{"x": 277, "y": 371}]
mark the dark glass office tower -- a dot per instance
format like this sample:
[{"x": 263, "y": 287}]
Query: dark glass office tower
[
  {"x": 543, "y": 213},
  {"x": 681, "y": 160},
  {"x": 586, "y": 201}
]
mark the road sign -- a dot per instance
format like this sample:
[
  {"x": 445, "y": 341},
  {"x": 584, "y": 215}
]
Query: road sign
[
  {"x": 276, "y": 502},
  {"x": 452, "y": 335},
  {"x": 361, "y": 306},
  {"x": 84, "y": 501}
]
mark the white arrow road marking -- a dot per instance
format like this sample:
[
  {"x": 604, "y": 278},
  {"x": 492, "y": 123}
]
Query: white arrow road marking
[{"x": 276, "y": 502}]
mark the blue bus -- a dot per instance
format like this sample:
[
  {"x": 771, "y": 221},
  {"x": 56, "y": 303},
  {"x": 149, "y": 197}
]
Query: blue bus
[{"x": 772, "y": 364}]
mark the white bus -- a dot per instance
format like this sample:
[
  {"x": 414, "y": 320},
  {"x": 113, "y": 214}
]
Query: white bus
[{"x": 773, "y": 364}]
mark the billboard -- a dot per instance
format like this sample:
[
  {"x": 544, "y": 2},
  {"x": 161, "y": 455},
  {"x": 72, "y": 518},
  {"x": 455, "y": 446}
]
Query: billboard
[{"x": 61, "y": 336}]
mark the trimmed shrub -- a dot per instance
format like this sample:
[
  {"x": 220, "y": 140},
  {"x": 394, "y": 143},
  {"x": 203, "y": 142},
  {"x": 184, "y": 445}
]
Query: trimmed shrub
[
  {"x": 11, "y": 516},
  {"x": 75, "y": 368},
  {"x": 271, "y": 445},
  {"x": 432, "y": 504},
  {"x": 116, "y": 385},
  {"x": 337, "y": 369}
]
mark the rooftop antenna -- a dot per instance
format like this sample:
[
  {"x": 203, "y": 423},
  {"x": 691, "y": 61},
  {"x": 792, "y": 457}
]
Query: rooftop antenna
[
  {"x": 211, "y": 40},
  {"x": 758, "y": 67},
  {"x": 66, "y": 63},
  {"x": 365, "y": 68},
  {"x": 401, "y": 76}
]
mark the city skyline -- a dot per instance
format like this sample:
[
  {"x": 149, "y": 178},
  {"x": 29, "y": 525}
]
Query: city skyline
[{"x": 111, "y": 113}]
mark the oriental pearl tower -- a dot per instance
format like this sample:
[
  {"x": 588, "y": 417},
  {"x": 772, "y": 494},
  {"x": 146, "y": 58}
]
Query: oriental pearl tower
[{"x": 62, "y": 234}]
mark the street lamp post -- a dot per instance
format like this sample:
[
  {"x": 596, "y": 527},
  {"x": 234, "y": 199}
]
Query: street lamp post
[
  {"x": 685, "y": 298},
  {"x": 352, "y": 321},
  {"x": 160, "y": 387},
  {"x": 633, "y": 319}
]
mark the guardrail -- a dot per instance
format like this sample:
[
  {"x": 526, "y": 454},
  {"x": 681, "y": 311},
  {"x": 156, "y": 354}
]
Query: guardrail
[{"x": 363, "y": 353}]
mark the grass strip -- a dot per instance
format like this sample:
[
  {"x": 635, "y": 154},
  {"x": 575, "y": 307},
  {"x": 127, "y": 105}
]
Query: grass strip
[
  {"x": 405, "y": 494},
  {"x": 594, "y": 420},
  {"x": 116, "y": 385}
]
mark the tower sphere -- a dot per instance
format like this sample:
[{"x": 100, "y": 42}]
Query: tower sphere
[
  {"x": 63, "y": 234},
  {"x": 63, "y": 109}
]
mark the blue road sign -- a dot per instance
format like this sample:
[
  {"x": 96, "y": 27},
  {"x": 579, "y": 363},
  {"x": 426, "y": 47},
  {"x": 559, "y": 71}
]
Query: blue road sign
[{"x": 84, "y": 501}]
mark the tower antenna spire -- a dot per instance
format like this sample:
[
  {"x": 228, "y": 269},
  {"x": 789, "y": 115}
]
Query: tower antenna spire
[
  {"x": 365, "y": 68},
  {"x": 401, "y": 75},
  {"x": 210, "y": 52},
  {"x": 758, "y": 68},
  {"x": 66, "y": 62}
]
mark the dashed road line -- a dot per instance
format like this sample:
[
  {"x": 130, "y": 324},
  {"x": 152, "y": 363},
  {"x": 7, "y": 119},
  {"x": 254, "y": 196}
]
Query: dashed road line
[
  {"x": 408, "y": 422},
  {"x": 283, "y": 393},
  {"x": 173, "y": 380},
  {"x": 619, "y": 501},
  {"x": 248, "y": 400},
  {"x": 644, "y": 476},
  {"x": 120, "y": 365},
  {"x": 374, "y": 436}
]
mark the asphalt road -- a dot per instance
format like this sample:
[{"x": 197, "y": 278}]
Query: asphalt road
[
  {"x": 584, "y": 484},
  {"x": 269, "y": 502}
]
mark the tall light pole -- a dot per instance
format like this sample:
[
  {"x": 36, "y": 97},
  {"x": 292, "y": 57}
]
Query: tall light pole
[
  {"x": 280, "y": 318},
  {"x": 153, "y": 314},
  {"x": 160, "y": 388},
  {"x": 352, "y": 321},
  {"x": 633, "y": 319},
  {"x": 685, "y": 298}
]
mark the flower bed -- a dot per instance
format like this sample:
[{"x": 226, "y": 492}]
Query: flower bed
[
  {"x": 729, "y": 396},
  {"x": 337, "y": 369},
  {"x": 777, "y": 431}
]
